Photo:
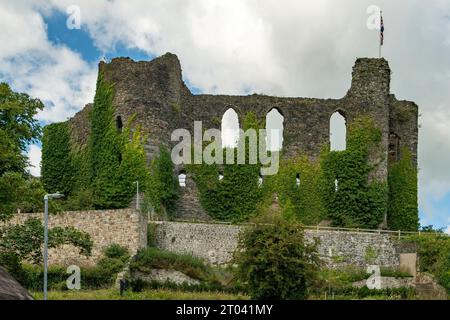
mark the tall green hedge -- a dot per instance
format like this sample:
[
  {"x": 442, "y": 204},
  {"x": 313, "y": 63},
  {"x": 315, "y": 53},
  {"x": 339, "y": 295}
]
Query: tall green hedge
[
  {"x": 57, "y": 170},
  {"x": 403, "y": 213}
]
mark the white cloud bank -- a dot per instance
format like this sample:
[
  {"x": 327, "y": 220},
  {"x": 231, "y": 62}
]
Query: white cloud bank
[{"x": 293, "y": 48}]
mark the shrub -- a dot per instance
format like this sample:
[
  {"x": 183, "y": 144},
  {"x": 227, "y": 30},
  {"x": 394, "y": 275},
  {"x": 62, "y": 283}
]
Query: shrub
[
  {"x": 274, "y": 262},
  {"x": 434, "y": 256},
  {"x": 116, "y": 251}
]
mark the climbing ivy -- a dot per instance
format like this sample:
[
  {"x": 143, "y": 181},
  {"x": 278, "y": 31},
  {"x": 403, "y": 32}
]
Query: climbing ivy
[
  {"x": 355, "y": 201},
  {"x": 402, "y": 179},
  {"x": 57, "y": 170},
  {"x": 161, "y": 184},
  {"x": 105, "y": 151},
  {"x": 102, "y": 173},
  {"x": 235, "y": 197},
  {"x": 302, "y": 200}
]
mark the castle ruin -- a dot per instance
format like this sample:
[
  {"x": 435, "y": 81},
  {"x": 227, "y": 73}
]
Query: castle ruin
[{"x": 155, "y": 92}]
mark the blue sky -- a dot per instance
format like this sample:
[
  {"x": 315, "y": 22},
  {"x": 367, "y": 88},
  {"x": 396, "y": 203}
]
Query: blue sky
[{"x": 303, "y": 48}]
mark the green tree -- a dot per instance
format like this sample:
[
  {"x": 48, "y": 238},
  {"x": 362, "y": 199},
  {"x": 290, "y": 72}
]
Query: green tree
[
  {"x": 18, "y": 128},
  {"x": 274, "y": 262},
  {"x": 20, "y": 191}
]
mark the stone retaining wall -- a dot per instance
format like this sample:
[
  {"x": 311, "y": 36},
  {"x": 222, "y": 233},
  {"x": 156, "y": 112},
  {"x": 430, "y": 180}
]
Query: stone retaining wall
[
  {"x": 216, "y": 243},
  {"x": 125, "y": 227}
]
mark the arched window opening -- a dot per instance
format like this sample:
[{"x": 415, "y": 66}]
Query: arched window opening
[
  {"x": 297, "y": 180},
  {"x": 338, "y": 132},
  {"x": 119, "y": 124},
  {"x": 230, "y": 129},
  {"x": 182, "y": 179},
  {"x": 274, "y": 130}
]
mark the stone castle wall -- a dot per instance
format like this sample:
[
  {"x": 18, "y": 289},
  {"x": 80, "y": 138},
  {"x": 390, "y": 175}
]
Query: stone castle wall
[
  {"x": 216, "y": 243},
  {"x": 155, "y": 92},
  {"x": 125, "y": 227}
]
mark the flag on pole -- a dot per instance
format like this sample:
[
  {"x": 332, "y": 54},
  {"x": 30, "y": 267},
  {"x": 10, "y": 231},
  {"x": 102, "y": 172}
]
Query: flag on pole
[{"x": 381, "y": 29}]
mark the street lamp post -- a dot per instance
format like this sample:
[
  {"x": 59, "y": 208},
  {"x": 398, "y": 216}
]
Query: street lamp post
[
  {"x": 46, "y": 197},
  {"x": 137, "y": 195}
]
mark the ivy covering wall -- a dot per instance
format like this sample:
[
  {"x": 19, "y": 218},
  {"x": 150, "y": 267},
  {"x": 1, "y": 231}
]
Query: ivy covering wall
[
  {"x": 300, "y": 199},
  {"x": 350, "y": 199},
  {"x": 162, "y": 185},
  {"x": 403, "y": 212},
  {"x": 102, "y": 173},
  {"x": 236, "y": 196}
]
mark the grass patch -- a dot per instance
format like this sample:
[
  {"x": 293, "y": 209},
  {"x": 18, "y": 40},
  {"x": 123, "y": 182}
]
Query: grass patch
[{"x": 158, "y": 294}]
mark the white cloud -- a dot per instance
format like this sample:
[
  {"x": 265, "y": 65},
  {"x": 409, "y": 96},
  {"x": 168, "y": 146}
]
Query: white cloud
[
  {"x": 31, "y": 64},
  {"x": 34, "y": 158}
]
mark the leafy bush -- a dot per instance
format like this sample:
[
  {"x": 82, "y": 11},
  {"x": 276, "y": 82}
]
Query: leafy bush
[
  {"x": 115, "y": 251},
  {"x": 99, "y": 276},
  {"x": 26, "y": 240},
  {"x": 274, "y": 262},
  {"x": 434, "y": 256}
]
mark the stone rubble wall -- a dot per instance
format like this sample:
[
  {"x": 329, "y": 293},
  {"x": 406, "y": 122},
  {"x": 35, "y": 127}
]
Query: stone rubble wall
[
  {"x": 216, "y": 243},
  {"x": 125, "y": 227}
]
